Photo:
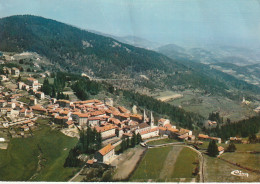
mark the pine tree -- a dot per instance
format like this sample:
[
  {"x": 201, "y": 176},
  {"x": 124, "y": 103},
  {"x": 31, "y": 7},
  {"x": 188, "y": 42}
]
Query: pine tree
[
  {"x": 231, "y": 147},
  {"x": 127, "y": 142},
  {"x": 117, "y": 132},
  {"x": 139, "y": 138},
  {"x": 99, "y": 141},
  {"x": 213, "y": 149},
  {"x": 133, "y": 140},
  {"x": 19, "y": 78},
  {"x": 123, "y": 145},
  {"x": 53, "y": 93}
]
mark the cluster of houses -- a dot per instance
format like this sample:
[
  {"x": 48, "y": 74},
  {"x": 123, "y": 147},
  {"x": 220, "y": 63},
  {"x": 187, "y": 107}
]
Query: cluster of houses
[
  {"x": 210, "y": 124},
  {"x": 31, "y": 84},
  {"x": 204, "y": 137},
  {"x": 14, "y": 112},
  {"x": 107, "y": 119},
  {"x": 11, "y": 71}
]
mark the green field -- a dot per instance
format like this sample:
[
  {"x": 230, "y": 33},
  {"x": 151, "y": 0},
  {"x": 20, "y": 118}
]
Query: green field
[
  {"x": 217, "y": 170},
  {"x": 240, "y": 147},
  {"x": 151, "y": 164},
  {"x": 203, "y": 105},
  {"x": 206, "y": 144},
  {"x": 248, "y": 147},
  {"x": 48, "y": 147},
  {"x": 245, "y": 159},
  {"x": 185, "y": 164},
  {"x": 171, "y": 164},
  {"x": 161, "y": 141}
]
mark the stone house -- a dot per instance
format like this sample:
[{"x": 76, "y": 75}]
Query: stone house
[{"x": 105, "y": 154}]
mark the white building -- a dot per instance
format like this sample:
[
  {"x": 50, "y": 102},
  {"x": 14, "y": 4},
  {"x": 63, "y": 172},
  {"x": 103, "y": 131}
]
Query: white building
[
  {"x": 210, "y": 124},
  {"x": 162, "y": 122},
  {"x": 107, "y": 131},
  {"x": 3, "y": 78},
  {"x": 106, "y": 154},
  {"x": 154, "y": 132},
  {"x": 15, "y": 71}
]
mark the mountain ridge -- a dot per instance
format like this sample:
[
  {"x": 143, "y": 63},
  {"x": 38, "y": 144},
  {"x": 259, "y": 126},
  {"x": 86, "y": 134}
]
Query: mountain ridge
[{"x": 77, "y": 50}]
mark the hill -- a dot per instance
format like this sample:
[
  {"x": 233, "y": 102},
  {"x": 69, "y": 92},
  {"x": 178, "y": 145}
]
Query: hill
[
  {"x": 75, "y": 50},
  {"x": 203, "y": 61}
]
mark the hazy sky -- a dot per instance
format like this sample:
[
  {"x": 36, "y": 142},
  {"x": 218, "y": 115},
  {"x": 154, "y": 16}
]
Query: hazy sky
[{"x": 233, "y": 22}]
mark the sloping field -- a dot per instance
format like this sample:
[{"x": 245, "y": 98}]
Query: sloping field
[
  {"x": 170, "y": 97},
  {"x": 126, "y": 162},
  {"x": 151, "y": 165},
  {"x": 217, "y": 170},
  {"x": 38, "y": 158},
  {"x": 170, "y": 164},
  {"x": 185, "y": 164},
  {"x": 249, "y": 160}
]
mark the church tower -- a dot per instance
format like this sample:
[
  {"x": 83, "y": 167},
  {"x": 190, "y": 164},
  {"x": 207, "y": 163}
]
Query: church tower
[
  {"x": 145, "y": 117},
  {"x": 152, "y": 120}
]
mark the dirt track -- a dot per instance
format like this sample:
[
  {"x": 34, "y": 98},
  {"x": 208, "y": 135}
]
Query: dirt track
[
  {"x": 169, "y": 162},
  {"x": 126, "y": 162}
]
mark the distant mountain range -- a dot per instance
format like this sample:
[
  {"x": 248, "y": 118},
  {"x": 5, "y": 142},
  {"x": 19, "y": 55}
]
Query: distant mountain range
[
  {"x": 76, "y": 50},
  {"x": 213, "y": 54},
  {"x": 132, "y": 40}
]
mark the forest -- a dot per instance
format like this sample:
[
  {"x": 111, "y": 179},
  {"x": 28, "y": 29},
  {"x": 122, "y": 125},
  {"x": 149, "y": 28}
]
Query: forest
[
  {"x": 244, "y": 128},
  {"x": 75, "y": 50}
]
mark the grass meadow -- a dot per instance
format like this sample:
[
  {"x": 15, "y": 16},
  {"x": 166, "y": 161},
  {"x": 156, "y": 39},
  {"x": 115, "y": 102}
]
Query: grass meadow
[{"x": 48, "y": 147}]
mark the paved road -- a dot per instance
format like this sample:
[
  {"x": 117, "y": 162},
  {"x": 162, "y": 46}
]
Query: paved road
[{"x": 76, "y": 175}]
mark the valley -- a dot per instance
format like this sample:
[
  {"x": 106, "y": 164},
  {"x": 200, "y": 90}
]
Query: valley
[{"x": 79, "y": 105}]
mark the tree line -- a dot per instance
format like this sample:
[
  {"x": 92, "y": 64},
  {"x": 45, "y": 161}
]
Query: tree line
[
  {"x": 242, "y": 128},
  {"x": 89, "y": 142},
  {"x": 84, "y": 87},
  {"x": 130, "y": 143},
  {"x": 55, "y": 90}
]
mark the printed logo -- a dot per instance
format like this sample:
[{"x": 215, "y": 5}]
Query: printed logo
[{"x": 239, "y": 173}]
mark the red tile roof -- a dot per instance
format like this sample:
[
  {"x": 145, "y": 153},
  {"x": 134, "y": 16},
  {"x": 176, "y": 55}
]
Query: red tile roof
[
  {"x": 122, "y": 109},
  {"x": 106, "y": 149},
  {"x": 203, "y": 136},
  {"x": 105, "y": 128},
  {"x": 220, "y": 148},
  {"x": 149, "y": 131}
]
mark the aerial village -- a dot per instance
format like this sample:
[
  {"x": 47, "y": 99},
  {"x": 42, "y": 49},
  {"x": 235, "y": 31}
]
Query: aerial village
[{"x": 112, "y": 122}]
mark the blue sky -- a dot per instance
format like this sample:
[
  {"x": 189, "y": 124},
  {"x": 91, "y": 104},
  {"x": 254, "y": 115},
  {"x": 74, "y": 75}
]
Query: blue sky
[{"x": 232, "y": 22}]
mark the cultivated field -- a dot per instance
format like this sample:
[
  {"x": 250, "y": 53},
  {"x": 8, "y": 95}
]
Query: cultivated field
[
  {"x": 37, "y": 158},
  {"x": 249, "y": 160},
  {"x": 248, "y": 147},
  {"x": 185, "y": 164},
  {"x": 126, "y": 162},
  {"x": 171, "y": 164},
  {"x": 217, "y": 170},
  {"x": 168, "y": 96},
  {"x": 194, "y": 101}
]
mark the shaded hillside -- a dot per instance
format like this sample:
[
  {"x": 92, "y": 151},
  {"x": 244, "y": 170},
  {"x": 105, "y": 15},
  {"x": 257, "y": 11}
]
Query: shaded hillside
[
  {"x": 219, "y": 80},
  {"x": 76, "y": 50}
]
